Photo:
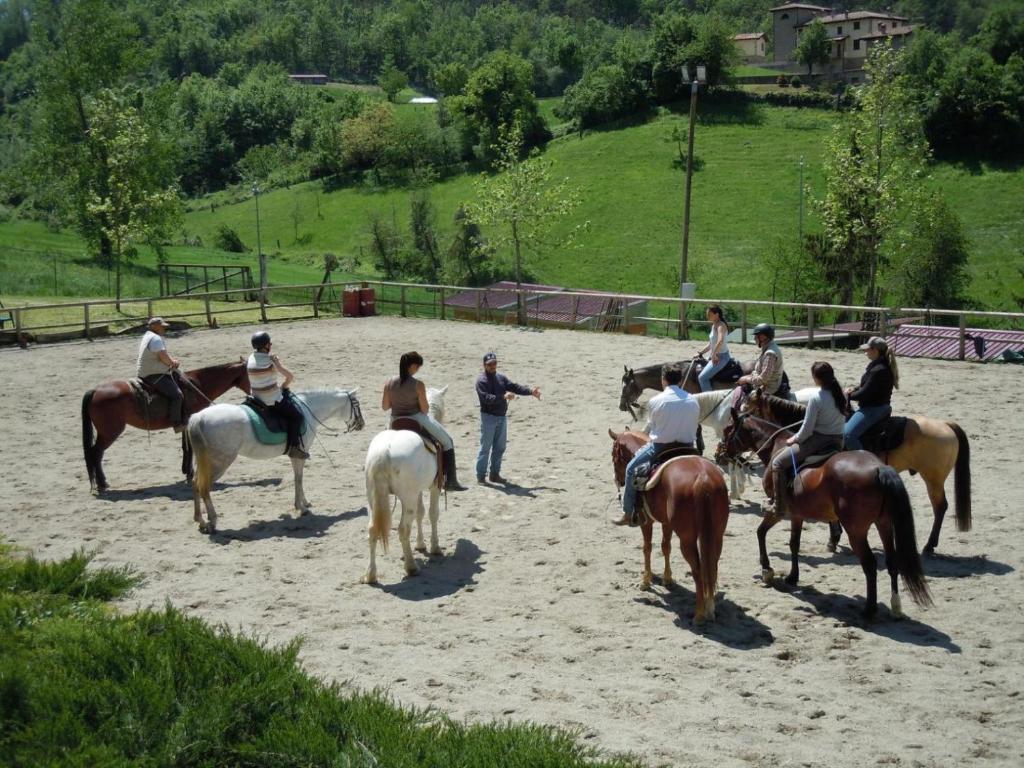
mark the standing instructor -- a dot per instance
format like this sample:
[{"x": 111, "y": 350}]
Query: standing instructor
[{"x": 495, "y": 390}]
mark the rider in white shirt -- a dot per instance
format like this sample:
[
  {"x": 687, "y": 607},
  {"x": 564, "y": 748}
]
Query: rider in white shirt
[
  {"x": 159, "y": 370},
  {"x": 673, "y": 419}
]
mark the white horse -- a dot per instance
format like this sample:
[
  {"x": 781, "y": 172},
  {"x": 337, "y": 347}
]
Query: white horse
[
  {"x": 222, "y": 432},
  {"x": 399, "y": 464},
  {"x": 716, "y": 412}
]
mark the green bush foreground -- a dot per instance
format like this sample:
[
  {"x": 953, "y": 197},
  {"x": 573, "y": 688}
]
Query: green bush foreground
[{"x": 82, "y": 685}]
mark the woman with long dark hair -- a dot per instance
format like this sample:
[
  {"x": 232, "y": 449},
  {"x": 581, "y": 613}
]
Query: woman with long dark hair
[
  {"x": 406, "y": 396},
  {"x": 717, "y": 348},
  {"x": 821, "y": 431}
]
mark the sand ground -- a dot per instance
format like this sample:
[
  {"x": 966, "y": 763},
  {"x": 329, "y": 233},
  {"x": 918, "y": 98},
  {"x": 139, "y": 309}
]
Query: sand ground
[{"x": 534, "y": 611}]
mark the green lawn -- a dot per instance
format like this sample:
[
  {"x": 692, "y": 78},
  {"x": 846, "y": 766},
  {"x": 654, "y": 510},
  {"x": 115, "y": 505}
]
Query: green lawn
[
  {"x": 745, "y": 199},
  {"x": 750, "y": 70}
]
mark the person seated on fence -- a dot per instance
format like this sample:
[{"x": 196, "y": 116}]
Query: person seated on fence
[
  {"x": 874, "y": 395},
  {"x": 821, "y": 432},
  {"x": 768, "y": 368},
  {"x": 159, "y": 370},
  {"x": 673, "y": 416},
  {"x": 406, "y": 396},
  {"x": 717, "y": 348},
  {"x": 263, "y": 368}
]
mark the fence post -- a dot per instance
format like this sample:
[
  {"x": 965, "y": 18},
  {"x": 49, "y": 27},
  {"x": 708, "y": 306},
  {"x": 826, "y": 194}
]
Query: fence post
[
  {"x": 85, "y": 312},
  {"x": 442, "y": 304},
  {"x": 575, "y": 309},
  {"x": 477, "y": 306},
  {"x": 884, "y": 322},
  {"x": 316, "y": 308},
  {"x": 206, "y": 304},
  {"x": 402, "y": 300},
  {"x": 625, "y": 315},
  {"x": 17, "y": 322},
  {"x": 149, "y": 309},
  {"x": 263, "y": 306},
  {"x": 743, "y": 324},
  {"x": 963, "y": 336},
  {"x": 810, "y": 327}
]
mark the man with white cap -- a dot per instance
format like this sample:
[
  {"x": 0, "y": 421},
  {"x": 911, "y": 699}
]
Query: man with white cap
[
  {"x": 157, "y": 368},
  {"x": 495, "y": 390}
]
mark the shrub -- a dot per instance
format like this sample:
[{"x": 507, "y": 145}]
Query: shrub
[
  {"x": 227, "y": 239},
  {"x": 782, "y": 81},
  {"x": 796, "y": 82}
]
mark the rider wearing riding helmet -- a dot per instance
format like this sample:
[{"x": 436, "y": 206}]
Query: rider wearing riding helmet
[
  {"x": 406, "y": 396},
  {"x": 767, "y": 371},
  {"x": 263, "y": 368}
]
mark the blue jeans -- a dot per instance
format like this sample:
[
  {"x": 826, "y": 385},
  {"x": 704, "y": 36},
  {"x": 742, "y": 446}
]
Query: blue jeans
[
  {"x": 861, "y": 421},
  {"x": 629, "y": 492},
  {"x": 493, "y": 435},
  {"x": 710, "y": 370}
]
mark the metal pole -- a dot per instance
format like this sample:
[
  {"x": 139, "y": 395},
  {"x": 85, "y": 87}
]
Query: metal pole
[
  {"x": 262, "y": 257},
  {"x": 683, "y": 334},
  {"x": 800, "y": 240}
]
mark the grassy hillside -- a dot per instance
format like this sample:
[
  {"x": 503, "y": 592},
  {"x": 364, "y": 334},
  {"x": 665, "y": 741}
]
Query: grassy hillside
[{"x": 745, "y": 200}]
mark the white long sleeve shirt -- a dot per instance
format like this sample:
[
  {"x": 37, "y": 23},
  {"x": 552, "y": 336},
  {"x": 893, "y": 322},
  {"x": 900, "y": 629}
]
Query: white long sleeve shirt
[{"x": 673, "y": 417}]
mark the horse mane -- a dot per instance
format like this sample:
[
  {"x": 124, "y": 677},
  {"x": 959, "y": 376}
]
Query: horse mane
[{"x": 789, "y": 410}]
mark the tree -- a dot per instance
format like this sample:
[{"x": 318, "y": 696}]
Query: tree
[
  {"x": 498, "y": 94},
  {"x": 131, "y": 202},
  {"x": 392, "y": 80},
  {"x": 522, "y": 202},
  {"x": 468, "y": 257},
  {"x": 932, "y": 268},
  {"x": 424, "y": 259},
  {"x": 814, "y": 46},
  {"x": 874, "y": 171}
]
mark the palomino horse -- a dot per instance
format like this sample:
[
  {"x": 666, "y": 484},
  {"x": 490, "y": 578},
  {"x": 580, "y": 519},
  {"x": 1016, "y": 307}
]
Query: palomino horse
[
  {"x": 110, "y": 406},
  {"x": 930, "y": 447},
  {"x": 853, "y": 488},
  {"x": 222, "y": 432},
  {"x": 691, "y": 501},
  {"x": 399, "y": 464}
]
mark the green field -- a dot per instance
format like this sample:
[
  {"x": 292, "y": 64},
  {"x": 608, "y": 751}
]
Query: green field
[{"x": 746, "y": 198}]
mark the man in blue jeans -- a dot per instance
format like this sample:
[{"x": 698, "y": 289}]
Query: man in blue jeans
[{"x": 495, "y": 391}]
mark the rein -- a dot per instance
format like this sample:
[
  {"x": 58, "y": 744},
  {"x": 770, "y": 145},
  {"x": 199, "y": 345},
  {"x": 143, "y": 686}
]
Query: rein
[{"x": 776, "y": 432}]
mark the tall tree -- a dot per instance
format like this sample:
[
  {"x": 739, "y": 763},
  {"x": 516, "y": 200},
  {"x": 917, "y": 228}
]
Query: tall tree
[
  {"x": 132, "y": 201},
  {"x": 874, "y": 171},
  {"x": 523, "y": 202},
  {"x": 814, "y": 46}
]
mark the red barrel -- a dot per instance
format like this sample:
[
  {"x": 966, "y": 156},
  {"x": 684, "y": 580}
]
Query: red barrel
[
  {"x": 367, "y": 302},
  {"x": 350, "y": 302}
]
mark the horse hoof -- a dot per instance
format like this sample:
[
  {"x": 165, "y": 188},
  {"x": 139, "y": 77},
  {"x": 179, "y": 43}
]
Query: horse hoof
[
  {"x": 436, "y": 551},
  {"x": 421, "y": 548},
  {"x": 896, "y": 607},
  {"x": 767, "y": 576},
  {"x": 792, "y": 579},
  {"x": 207, "y": 528},
  {"x": 370, "y": 577},
  {"x": 928, "y": 550}
]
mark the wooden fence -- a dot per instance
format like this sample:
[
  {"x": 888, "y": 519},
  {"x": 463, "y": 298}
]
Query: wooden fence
[{"x": 90, "y": 319}]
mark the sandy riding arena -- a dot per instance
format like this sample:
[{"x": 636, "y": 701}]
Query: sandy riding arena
[{"x": 534, "y": 612}]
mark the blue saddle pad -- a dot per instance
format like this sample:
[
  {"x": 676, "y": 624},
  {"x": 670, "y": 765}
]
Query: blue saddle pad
[{"x": 269, "y": 428}]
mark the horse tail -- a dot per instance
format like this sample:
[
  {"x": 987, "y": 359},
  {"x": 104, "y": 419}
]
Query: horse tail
[
  {"x": 896, "y": 503},
  {"x": 962, "y": 478},
  {"x": 202, "y": 478},
  {"x": 87, "y": 436},
  {"x": 378, "y": 497},
  {"x": 710, "y": 543}
]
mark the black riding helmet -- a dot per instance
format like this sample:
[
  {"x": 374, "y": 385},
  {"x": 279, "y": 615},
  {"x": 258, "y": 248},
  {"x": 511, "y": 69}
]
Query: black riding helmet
[
  {"x": 766, "y": 329},
  {"x": 260, "y": 340}
]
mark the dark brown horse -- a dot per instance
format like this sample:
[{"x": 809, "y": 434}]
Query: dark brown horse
[
  {"x": 112, "y": 405},
  {"x": 930, "y": 447},
  {"x": 690, "y": 500},
  {"x": 853, "y": 488}
]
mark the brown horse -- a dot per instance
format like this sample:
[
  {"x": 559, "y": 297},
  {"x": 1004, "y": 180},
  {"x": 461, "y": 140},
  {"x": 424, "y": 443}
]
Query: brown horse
[
  {"x": 691, "y": 500},
  {"x": 853, "y": 488},
  {"x": 930, "y": 447},
  {"x": 635, "y": 381},
  {"x": 112, "y": 405}
]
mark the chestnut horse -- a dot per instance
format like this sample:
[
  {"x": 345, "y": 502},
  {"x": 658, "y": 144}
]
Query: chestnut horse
[
  {"x": 930, "y": 447},
  {"x": 112, "y": 405},
  {"x": 690, "y": 500},
  {"x": 853, "y": 488}
]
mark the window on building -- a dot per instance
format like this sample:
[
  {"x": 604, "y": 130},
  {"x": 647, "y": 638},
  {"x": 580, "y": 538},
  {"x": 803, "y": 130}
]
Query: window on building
[
  {"x": 784, "y": 16},
  {"x": 839, "y": 30},
  {"x": 856, "y": 45},
  {"x": 856, "y": 25}
]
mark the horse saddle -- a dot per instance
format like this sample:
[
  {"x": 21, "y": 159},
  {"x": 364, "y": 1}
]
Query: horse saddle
[
  {"x": 153, "y": 403},
  {"x": 269, "y": 426},
  {"x": 814, "y": 460},
  {"x": 404, "y": 423},
  {"x": 886, "y": 435},
  {"x": 730, "y": 374},
  {"x": 648, "y": 473}
]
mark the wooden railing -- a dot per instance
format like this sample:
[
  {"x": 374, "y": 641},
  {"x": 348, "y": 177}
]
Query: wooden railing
[{"x": 627, "y": 313}]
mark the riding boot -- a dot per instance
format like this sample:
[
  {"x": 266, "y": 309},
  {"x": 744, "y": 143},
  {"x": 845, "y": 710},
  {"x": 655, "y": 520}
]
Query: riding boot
[
  {"x": 781, "y": 493},
  {"x": 451, "y": 482}
]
